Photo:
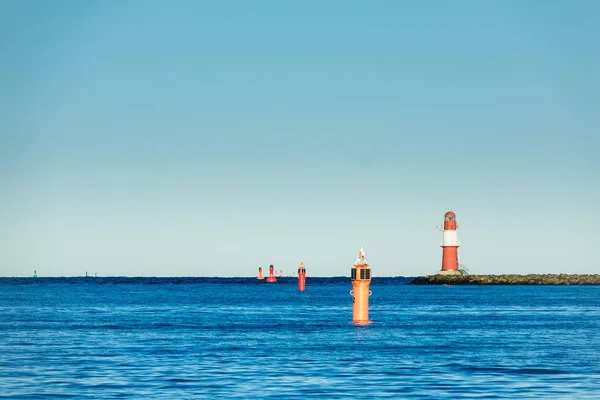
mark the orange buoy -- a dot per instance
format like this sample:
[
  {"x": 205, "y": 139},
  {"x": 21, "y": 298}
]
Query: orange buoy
[
  {"x": 450, "y": 245},
  {"x": 301, "y": 277},
  {"x": 260, "y": 275},
  {"x": 271, "y": 277},
  {"x": 360, "y": 274}
]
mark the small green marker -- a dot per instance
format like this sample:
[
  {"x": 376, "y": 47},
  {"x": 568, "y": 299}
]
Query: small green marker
[
  {"x": 86, "y": 274},
  {"x": 35, "y": 273}
]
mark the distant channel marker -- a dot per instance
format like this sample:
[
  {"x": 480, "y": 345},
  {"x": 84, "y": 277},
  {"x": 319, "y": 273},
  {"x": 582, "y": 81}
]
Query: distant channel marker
[{"x": 512, "y": 279}]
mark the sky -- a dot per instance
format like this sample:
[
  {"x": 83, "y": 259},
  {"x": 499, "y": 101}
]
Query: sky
[{"x": 208, "y": 138}]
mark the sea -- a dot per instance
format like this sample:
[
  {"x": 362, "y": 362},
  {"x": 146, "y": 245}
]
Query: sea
[{"x": 186, "y": 338}]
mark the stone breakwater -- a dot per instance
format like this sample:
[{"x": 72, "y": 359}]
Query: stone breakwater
[{"x": 533, "y": 279}]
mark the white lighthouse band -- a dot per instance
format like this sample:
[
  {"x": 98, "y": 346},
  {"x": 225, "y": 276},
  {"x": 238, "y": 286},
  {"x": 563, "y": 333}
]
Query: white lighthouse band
[{"x": 450, "y": 238}]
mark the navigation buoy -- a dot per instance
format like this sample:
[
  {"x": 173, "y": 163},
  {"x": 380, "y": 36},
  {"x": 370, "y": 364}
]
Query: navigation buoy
[
  {"x": 449, "y": 246},
  {"x": 35, "y": 273},
  {"x": 260, "y": 275},
  {"x": 301, "y": 277},
  {"x": 281, "y": 273},
  {"x": 271, "y": 277},
  {"x": 360, "y": 274}
]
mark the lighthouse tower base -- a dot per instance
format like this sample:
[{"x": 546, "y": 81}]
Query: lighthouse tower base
[{"x": 455, "y": 272}]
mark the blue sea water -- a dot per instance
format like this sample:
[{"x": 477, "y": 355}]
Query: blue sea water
[{"x": 243, "y": 338}]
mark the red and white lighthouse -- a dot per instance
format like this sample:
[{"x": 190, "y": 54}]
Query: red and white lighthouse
[{"x": 450, "y": 245}]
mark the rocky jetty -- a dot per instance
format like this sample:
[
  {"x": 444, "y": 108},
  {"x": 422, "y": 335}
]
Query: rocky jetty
[{"x": 533, "y": 279}]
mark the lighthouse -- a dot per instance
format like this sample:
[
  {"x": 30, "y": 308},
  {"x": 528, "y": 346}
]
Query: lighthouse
[
  {"x": 360, "y": 275},
  {"x": 301, "y": 277},
  {"x": 271, "y": 277},
  {"x": 449, "y": 246}
]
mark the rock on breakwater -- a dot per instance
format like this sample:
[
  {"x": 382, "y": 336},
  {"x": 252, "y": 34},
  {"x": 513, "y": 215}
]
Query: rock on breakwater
[{"x": 512, "y": 279}]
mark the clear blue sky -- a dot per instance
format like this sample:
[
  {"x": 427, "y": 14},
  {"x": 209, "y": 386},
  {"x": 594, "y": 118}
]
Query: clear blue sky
[{"x": 206, "y": 138}]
